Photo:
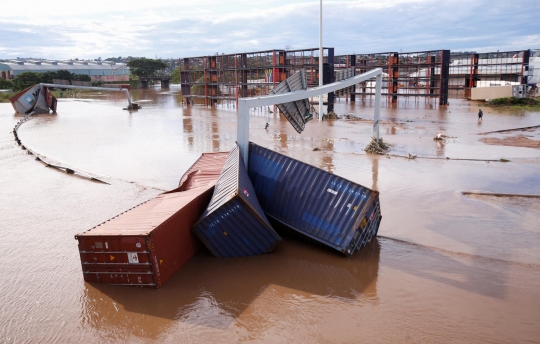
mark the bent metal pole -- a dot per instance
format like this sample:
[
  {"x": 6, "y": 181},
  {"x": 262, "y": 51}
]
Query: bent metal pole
[
  {"x": 321, "y": 57},
  {"x": 244, "y": 104},
  {"x": 125, "y": 90}
]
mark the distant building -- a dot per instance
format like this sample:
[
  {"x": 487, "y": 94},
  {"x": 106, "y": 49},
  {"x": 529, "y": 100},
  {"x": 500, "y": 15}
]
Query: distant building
[{"x": 97, "y": 70}]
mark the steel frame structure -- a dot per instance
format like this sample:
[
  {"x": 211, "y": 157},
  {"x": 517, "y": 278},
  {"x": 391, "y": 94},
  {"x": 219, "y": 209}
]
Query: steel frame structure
[
  {"x": 416, "y": 74},
  {"x": 228, "y": 77},
  {"x": 469, "y": 70},
  {"x": 244, "y": 104},
  {"x": 429, "y": 74}
]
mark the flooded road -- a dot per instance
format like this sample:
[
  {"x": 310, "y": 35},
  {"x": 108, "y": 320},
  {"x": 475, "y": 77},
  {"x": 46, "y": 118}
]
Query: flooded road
[{"x": 445, "y": 268}]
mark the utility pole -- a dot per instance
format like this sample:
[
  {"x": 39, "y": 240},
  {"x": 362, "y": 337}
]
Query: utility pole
[{"x": 321, "y": 56}]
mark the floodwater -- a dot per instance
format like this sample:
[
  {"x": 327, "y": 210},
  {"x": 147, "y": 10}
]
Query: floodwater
[{"x": 445, "y": 267}]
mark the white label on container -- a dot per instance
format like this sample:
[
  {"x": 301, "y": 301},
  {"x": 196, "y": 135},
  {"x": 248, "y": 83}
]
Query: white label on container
[
  {"x": 334, "y": 192},
  {"x": 133, "y": 257}
]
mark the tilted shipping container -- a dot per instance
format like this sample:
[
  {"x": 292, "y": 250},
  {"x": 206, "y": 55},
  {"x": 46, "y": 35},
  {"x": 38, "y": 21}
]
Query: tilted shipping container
[
  {"x": 147, "y": 244},
  {"x": 234, "y": 225},
  {"x": 330, "y": 209}
]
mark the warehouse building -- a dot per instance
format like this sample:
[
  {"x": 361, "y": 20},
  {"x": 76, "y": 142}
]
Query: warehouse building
[{"x": 97, "y": 70}]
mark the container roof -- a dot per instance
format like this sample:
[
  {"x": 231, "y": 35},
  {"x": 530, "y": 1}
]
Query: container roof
[
  {"x": 205, "y": 171},
  {"x": 147, "y": 216}
]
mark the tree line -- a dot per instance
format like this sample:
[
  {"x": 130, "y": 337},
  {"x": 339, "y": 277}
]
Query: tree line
[{"x": 27, "y": 79}]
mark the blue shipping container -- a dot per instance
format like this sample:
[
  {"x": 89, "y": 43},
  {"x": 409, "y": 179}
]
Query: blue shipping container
[
  {"x": 330, "y": 209},
  {"x": 234, "y": 224}
]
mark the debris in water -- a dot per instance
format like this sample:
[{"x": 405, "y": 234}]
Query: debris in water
[
  {"x": 331, "y": 115},
  {"x": 375, "y": 147}
]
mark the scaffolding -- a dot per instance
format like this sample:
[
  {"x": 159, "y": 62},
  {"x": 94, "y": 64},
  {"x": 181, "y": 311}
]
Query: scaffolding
[
  {"x": 411, "y": 74},
  {"x": 228, "y": 77},
  {"x": 429, "y": 75},
  {"x": 468, "y": 70}
]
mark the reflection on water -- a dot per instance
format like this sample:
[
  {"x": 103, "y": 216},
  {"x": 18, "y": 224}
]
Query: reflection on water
[
  {"x": 213, "y": 292},
  {"x": 446, "y": 266}
]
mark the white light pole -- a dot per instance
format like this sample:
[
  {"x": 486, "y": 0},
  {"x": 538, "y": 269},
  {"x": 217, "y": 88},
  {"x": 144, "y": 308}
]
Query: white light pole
[{"x": 320, "y": 62}]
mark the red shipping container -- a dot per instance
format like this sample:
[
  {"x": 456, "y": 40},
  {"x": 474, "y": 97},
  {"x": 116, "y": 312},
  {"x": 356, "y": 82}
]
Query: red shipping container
[{"x": 147, "y": 244}]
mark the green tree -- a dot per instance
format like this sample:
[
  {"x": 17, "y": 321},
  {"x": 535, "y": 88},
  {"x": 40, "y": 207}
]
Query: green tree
[
  {"x": 6, "y": 84},
  {"x": 81, "y": 77},
  {"x": 26, "y": 79},
  {"x": 64, "y": 75},
  {"x": 145, "y": 67},
  {"x": 175, "y": 76},
  {"x": 47, "y": 77}
]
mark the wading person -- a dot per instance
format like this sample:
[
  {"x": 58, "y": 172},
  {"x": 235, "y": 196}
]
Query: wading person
[{"x": 480, "y": 114}]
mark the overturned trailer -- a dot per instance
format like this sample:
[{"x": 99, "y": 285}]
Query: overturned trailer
[
  {"x": 325, "y": 207},
  {"x": 233, "y": 224}
]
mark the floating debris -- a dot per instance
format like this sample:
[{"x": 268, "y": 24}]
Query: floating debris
[
  {"x": 330, "y": 115},
  {"x": 375, "y": 147}
]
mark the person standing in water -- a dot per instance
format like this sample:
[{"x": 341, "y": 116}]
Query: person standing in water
[{"x": 480, "y": 114}]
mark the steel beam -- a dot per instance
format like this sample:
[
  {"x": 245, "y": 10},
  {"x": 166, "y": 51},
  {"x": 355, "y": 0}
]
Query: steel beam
[
  {"x": 92, "y": 88},
  {"x": 244, "y": 104}
]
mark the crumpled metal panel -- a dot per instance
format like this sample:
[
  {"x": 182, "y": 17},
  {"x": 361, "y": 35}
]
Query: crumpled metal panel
[
  {"x": 234, "y": 224},
  {"x": 204, "y": 172},
  {"x": 297, "y": 113},
  {"x": 330, "y": 209},
  {"x": 35, "y": 98}
]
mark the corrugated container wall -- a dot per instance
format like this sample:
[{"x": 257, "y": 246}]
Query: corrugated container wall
[
  {"x": 234, "y": 224},
  {"x": 330, "y": 209},
  {"x": 147, "y": 244}
]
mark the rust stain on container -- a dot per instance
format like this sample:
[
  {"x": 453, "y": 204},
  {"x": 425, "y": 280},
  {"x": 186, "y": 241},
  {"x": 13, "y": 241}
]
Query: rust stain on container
[{"x": 147, "y": 244}]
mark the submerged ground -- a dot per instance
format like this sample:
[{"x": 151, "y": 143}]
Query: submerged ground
[{"x": 447, "y": 267}]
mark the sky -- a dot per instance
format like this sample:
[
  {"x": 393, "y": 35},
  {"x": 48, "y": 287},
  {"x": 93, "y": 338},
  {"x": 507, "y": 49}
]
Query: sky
[{"x": 63, "y": 29}]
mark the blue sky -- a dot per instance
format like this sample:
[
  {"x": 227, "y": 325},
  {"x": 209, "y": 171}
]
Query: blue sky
[{"x": 63, "y": 29}]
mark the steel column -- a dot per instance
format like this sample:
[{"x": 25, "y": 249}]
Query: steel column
[
  {"x": 244, "y": 104},
  {"x": 321, "y": 57},
  {"x": 377, "y": 110}
]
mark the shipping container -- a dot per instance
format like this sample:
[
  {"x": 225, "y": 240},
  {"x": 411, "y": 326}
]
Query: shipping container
[
  {"x": 147, "y": 244},
  {"x": 330, "y": 209},
  {"x": 234, "y": 225},
  {"x": 205, "y": 171}
]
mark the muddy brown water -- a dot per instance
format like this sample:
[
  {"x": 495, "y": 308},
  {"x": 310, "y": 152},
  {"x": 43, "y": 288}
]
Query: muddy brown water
[{"x": 445, "y": 268}]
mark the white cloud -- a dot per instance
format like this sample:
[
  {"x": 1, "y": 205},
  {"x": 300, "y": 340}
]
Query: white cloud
[{"x": 170, "y": 28}]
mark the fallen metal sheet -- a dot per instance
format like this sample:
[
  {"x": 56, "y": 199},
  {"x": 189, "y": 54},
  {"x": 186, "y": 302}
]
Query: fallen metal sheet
[{"x": 297, "y": 112}]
